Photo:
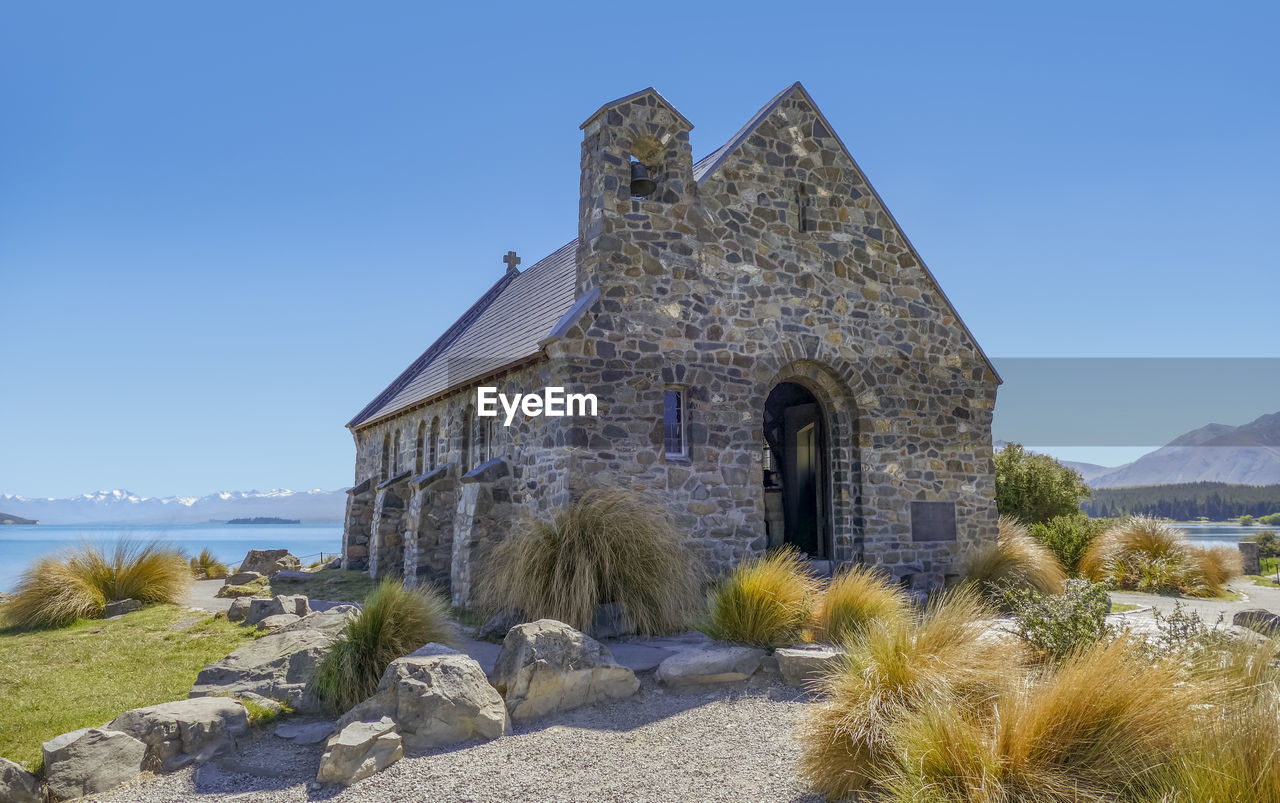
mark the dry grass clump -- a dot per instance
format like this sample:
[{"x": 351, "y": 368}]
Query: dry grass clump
[
  {"x": 765, "y": 602},
  {"x": 393, "y": 622},
  {"x": 78, "y": 583},
  {"x": 612, "y": 545},
  {"x": 898, "y": 667},
  {"x": 206, "y": 566},
  {"x": 854, "y": 599},
  {"x": 1016, "y": 560},
  {"x": 1146, "y": 554}
]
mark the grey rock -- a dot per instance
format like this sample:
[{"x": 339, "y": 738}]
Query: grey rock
[
  {"x": 186, "y": 731},
  {"x": 359, "y": 750},
  {"x": 279, "y": 665},
  {"x": 278, "y": 621},
  {"x": 437, "y": 697},
  {"x": 801, "y": 666},
  {"x": 120, "y": 607},
  {"x": 90, "y": 760},
  {"x": 331, "y": 622},
  {"x": 271, "y": 706},
  {"x": 714, "y": 664},
  {"x": 239, "y": 609},
  {"x": 496, "y": 628},
  {"x": 269, "y": 561},
  {"x": 19, "y": 786},
  {"x": 1258, "y": 620},
  {"x": 306, "y": 732},
  {"x": 259, "y": 609},
  {"x": 242, "y": 578},
  {"x": 547, "y": 666}
]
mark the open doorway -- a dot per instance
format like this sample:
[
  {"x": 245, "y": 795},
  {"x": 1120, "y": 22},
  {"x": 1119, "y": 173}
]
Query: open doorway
[{"x": 796, "y": 482}]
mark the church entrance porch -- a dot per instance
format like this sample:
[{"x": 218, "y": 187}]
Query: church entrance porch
[{"x": 797, "y": 483}]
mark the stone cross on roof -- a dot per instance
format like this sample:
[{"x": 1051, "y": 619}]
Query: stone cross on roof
[{"x": 512, "y": 260}]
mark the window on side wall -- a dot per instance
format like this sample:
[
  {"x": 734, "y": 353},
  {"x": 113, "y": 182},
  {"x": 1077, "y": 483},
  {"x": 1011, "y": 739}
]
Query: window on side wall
[{"x": 673, "y": 423}]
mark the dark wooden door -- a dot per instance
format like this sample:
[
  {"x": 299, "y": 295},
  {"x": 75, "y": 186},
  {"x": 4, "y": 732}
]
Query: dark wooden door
[{"x": 802, "y": 480}]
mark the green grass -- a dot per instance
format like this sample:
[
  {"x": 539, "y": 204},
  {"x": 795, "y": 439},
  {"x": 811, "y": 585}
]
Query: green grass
[
  {"x": 337, "y": 585},
  {"x": 1265, "y": 580},
  {"x": 1123, "y": 607},
  {"x": 54, "y": 681}
]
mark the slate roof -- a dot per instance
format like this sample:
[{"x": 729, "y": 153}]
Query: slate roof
[{"x": 510, "y": 322}]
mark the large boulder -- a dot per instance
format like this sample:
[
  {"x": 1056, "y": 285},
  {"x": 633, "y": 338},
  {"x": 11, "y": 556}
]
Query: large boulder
[
  {"x": 801, "y": 666},
  {"x": 120, "y": 607},
  {"x": 242, "y": 578},
  {"x": 714, "y": 664},
  {"x": 259, "y": 609},
  {"x": 331, "y": 622},
  {"x": 1259, "y": 621},
  {"x": 90, "y": 760},
  {"x": 269, "y": 561},
  {"x": 278, "y": 622},
  {"x": 19, "y": 786},
  {"x": 547, "y": 666},
  {"x": 186, "y": 731},
  {"x": 306, "y": 732},
  {"x": 279, "y": 665},
  {"x": 359, "y": 750},
  {"x": 437, "y": 696}
]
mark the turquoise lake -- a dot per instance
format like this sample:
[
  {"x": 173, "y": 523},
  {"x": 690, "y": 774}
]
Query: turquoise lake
[{"x": 20, "y": 544}]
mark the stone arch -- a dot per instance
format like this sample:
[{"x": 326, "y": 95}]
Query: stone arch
[{"x": 843, "y": 462}]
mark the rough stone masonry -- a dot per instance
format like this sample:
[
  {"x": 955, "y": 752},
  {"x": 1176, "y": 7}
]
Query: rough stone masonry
[{"x": 770, "y": 354}]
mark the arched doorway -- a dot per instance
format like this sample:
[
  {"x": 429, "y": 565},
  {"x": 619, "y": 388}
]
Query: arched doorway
[{"x": 796, "y": 479}]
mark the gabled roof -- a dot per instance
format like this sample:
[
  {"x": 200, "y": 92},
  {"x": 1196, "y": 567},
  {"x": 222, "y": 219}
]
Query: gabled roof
[
  {"x": 522, "y": 311},
  {"x": 648, "y": 90}
]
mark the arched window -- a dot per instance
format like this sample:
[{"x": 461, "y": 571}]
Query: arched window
[
  {"x": 432, "y": 445},
  {"x": 386, "y": 457},
  {"x": 484, "y": 440},
  {"x": 418, "y": 455},
  {"x": 395, "y": 453},
  {"x": 468, "y": 423}
]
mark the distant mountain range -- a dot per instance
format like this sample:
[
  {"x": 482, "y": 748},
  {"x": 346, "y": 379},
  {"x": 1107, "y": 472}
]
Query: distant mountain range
[
  {"x": 123, "y": 507},
  {"x": 1245, "y": 455}
]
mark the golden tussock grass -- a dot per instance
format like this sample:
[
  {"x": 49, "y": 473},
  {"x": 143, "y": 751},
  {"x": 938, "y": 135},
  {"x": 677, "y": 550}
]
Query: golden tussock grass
[
  {"x": 1016, "y": 559},
  {"x": 854, "y": 599},
  {"x": 78, "y": 583},
  {"x": 765, "y": 602},
  {"x": 1146, "y": 554},
  {"x": 612, "y": 545},
  {"x": 207, "y": 566}
]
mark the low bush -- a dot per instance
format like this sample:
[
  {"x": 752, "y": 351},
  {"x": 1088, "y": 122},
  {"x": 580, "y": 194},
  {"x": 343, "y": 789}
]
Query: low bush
[
  {"x": 897, "y": 667},
  {"x": 1055, "y": 625},
  {"x": 78, "y": 583},
  {"x": 207, "y": 566},
  {"x": 1068, "y": 537},
  {"x": 1145, "y": 554},
  {"x": 393, "y": 622},
  {"x": 765, "y": 602},
  {"x": 854, "y": 599},
  {"x": 612, "y": 545},
  {"x": 1015, "y": 560}
]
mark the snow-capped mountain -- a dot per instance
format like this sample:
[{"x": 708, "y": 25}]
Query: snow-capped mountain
[{"x": 124, "y": 507}]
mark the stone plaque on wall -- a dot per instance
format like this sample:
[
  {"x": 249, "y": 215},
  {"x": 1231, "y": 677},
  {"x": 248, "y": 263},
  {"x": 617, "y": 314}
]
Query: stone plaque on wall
[{"x": 933, "y": 521}]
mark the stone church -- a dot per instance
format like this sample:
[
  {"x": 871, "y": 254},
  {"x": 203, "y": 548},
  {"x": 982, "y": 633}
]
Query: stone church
[{"x": 770, "y": 356}]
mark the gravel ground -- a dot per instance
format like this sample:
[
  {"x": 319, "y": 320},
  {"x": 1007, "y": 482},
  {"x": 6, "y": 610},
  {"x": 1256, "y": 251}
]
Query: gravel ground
[
  {"x": 1253, "y": 597},
  {"x": 661, "y": 746}
]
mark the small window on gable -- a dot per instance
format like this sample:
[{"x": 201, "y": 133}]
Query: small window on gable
[
  {"x": 804, "y": 210},
  {"x": 673, "y": 423}
]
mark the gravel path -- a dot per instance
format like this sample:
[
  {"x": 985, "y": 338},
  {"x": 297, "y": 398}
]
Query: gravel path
[
  {"x": 660, "y": 746},
  {"x": 204, "y": 594},
  {"x": 1253, "y": 597}
]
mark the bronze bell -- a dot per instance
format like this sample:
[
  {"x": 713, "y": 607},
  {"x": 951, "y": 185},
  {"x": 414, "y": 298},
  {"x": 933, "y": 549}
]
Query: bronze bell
[{"x": 641, "y": 185}]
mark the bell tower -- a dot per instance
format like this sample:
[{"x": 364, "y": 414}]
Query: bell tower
[{"x": 637, "y": 194}]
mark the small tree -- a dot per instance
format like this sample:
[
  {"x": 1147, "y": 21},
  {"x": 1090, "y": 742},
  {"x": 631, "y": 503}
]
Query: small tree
[{"x": 1034, "y": 487}]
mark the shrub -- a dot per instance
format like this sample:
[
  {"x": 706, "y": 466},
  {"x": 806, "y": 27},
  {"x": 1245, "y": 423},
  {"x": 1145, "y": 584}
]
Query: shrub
[
  {"x": 1146, "y": 554},
  {"x": 1015, "y": 560},
  {"x": 1035, "y": 487},
  {"x": 1267, "y": 541},
  {"x": 1068, "y": 537},
  {"x": 896, "y": 667},
  {"x": 393, "y": 622},
  {"x": 1056, "y": 625},
  {"x": 1100, "y": 728},
  {"x": 78, "y": 583},
  {"x": 765, "y": 602},
  {"x": 611, "y": 545},
  {"x": 854, "y": 599},
  {"x": 207, "y": 565}
]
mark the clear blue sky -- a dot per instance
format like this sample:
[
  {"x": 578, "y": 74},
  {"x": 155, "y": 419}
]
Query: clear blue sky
[{"x": 224, "y": 228}]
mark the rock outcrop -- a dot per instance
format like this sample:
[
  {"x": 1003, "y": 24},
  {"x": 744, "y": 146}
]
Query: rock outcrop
[
  {"x": 259, "y": 609},
  {"x": 279, "y": 665},
  {"x": 186, "y": 731},
  {"x": 19, "y": 786},
  {"x": 359, "y": 750},
  {"x": 90, "y": 760},
  {"x": 437, "y": 696},
  {"x": 547, "y": 666},
  {"x": 269, "y": 561},
  {"x": 713, "y": 664}
]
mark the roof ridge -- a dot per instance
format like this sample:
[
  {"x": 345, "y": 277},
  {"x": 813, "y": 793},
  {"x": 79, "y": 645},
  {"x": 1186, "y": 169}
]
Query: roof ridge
[{"x": 451, "y": 334}]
